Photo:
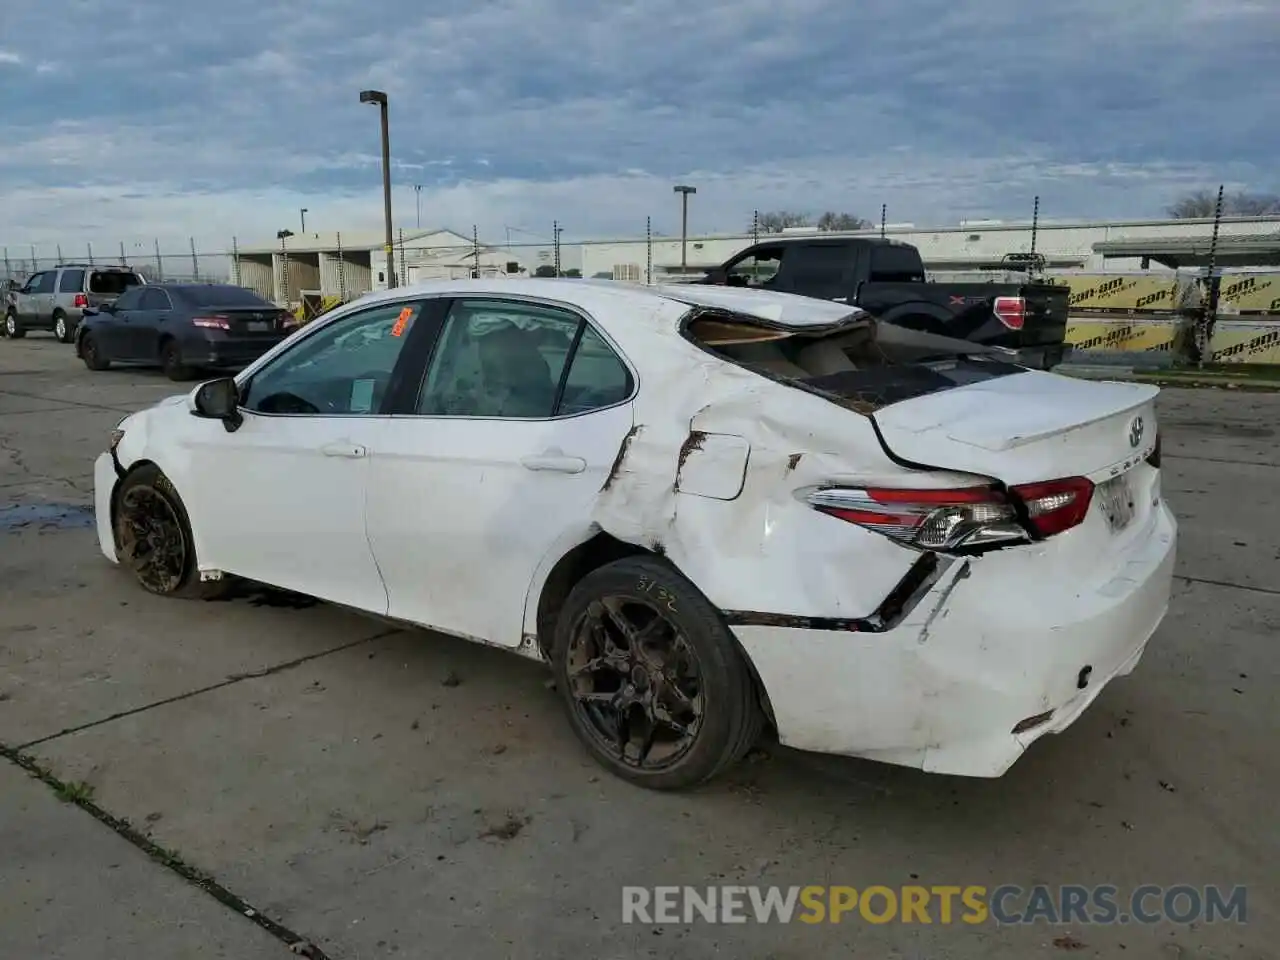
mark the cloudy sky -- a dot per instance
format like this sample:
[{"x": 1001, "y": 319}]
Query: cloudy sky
[{"x": 134, "y": 119}]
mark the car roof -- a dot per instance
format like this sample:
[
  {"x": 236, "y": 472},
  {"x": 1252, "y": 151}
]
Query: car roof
[{"x": 599, "y": 297}]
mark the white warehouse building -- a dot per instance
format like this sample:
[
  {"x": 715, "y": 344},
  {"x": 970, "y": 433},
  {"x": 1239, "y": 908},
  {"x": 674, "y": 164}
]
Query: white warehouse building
[{"x": 971, "y": 245}]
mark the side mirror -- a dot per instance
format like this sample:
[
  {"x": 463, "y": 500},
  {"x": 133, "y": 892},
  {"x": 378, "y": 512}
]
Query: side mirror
[{"x": 219, "y": 400}]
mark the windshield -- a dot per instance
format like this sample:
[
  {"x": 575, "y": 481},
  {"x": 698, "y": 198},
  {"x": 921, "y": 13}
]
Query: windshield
[
  {"x": 224, "y": 297},
  {"x": 113, "y": 283}
]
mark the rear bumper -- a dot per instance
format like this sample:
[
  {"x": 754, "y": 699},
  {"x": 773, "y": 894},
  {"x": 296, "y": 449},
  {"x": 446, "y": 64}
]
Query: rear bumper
[
  {"x": 226, "y": 353},
  {"x": 994, "y": 643}
]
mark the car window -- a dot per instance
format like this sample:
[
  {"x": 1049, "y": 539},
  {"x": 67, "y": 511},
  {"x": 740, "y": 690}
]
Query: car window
[
  {"x": 33, "y": 281},
  {"x": 342, "y": 369},
  {"x": 498, "y": 358},
  {"x": 112, "y": 282},
  {"x": 223, "y": 296},
  {"x": 597, "y": 378},
  {"x": 758, "y": 269},
  {"x": 153, "y": 299},
  {"x": 891, "y": 263},
  {"x": 130, "y": 299},
  {"x": 46, "y": 283},
  {"x": 71, "y": 281}
]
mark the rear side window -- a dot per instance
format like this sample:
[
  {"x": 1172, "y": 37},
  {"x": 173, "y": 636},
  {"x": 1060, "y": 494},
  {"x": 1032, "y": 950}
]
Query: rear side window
[
  {"x": 71, "y": 281},
  {"x": 894, "y": 264},
  {"x": 112, "y": 282},
  {"x": 223, "y": 297},
  {"x": 154, "y": 299},
  {"x": 596, "y": 379}
]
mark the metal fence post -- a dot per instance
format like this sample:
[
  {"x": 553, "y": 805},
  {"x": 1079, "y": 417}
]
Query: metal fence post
[
  {"x": 1035, "y": 225},
  {"x": 235, "y": 262},
  {"x": 59, "y": 253},
  {"x": 1209, "y": 315},
  {"x": 195, "y": 260},
  {"x": 89, "y": 246},
  {"x": 555, "y": 232},
  {"x": 475, "y": 249},
  {"x": 342, "y": 269},
  {"x": 159, "y": 261},
  {"x": 284, "y": 273},
  {"x": 8, "y": 270},
  {"x": 404, "y": 267},
  {"x": 124, "y": 261},
  {"x": 648, "y": 250},
  {"x": 755, "y": 227},
  {"x": 884, "y": 217},
  {"x": 35, "y": 261}
]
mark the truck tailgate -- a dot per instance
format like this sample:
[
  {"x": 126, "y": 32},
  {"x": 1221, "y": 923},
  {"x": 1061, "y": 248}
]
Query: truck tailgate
[{"x": 1046, "y": 314}]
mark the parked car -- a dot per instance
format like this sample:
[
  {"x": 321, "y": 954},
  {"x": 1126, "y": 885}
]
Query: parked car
[
  {"x": 887, "y": 279},
  {"x": 56, "y": 299},
  {"x": 708, "y": 509},
  {"x": 182, "y": 327}
]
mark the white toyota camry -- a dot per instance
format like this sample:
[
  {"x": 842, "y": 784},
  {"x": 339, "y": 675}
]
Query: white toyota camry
[{"x": 707, "y": 508}]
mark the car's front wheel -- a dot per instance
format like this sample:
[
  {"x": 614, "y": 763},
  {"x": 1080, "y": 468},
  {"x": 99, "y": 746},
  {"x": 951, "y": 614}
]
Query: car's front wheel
[
  {"x": 654, "y": 683},
  {"x": 12, "y": 329},
  {"x": 153, "y": 537}
]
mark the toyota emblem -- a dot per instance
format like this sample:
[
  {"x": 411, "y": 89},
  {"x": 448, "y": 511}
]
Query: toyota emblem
[{"x": 1135, "y": 431}]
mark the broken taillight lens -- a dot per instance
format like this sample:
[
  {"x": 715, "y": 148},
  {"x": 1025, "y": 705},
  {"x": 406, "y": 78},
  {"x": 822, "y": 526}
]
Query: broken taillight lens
[
  {"x": 1012, "y": 311},
  {"x": 1056, "y": 505},
  {"x": 963, "y": 517}
]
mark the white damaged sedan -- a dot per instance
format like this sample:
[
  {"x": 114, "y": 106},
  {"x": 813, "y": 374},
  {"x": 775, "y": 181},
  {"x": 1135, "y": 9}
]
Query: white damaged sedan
[{"x": 708, "y": 509}]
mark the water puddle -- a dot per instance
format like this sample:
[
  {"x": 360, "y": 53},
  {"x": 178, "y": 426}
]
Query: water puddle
[{"x": 45, "y": 516}]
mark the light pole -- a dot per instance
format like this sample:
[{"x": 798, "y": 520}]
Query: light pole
[
  {"x": 417, "y": 203},
  {"x": 303, "y": 213},
  {"x": 380, "y": 98},
  {"x": 684, "y": 192}
]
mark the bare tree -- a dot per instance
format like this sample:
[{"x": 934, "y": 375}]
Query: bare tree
[
  {"x": 1200, "y": 204},
  {"x": 841, "y": 221},
  {"x": 775, "y": 221}
]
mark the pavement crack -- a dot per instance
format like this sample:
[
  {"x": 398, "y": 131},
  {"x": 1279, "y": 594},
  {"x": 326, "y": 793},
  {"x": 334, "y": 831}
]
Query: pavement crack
[
  {"x": 73, "y": 403},
  {"x": 1225, "y": 583},
  {"x": 1232, "y": 460},
  {"x": 231, "y": 680},
  {"x": 169, "y": 859}
]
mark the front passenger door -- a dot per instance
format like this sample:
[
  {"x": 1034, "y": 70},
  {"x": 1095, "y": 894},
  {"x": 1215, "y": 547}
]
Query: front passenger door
[{"x": 281, "y": 500}]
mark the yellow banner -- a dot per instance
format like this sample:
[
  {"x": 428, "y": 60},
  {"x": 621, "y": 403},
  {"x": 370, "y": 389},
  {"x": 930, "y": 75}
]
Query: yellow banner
[
  {"x": 1246, "y": 342},
  {"x": 1100, "y": 291},
  {"x": 1250, "y": 291},
  {"x": 1127, "y": 335}
]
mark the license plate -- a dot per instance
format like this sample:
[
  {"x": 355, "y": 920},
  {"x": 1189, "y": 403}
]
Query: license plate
[
  {"x": 1116, "y": 497},
  {"x": 258, "y": 326}
]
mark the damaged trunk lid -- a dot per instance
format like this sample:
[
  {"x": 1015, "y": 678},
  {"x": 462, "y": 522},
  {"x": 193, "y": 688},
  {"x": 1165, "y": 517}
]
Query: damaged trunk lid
[{"x": 1026, "y": 427}]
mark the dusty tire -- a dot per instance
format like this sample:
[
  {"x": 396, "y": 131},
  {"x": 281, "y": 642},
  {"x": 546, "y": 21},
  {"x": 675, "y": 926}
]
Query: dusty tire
[
  {"x": 62, "y": 330},
  {"x": 12, "y": 329},
  {"x": 91, "y": 354},
  {"x": 171, "y": 361},
  {"x": 153, "y": 537},
  {"x": 686, "y": 668}
]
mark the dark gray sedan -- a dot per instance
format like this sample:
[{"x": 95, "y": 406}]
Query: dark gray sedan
[{"x": 182, "y": 328}]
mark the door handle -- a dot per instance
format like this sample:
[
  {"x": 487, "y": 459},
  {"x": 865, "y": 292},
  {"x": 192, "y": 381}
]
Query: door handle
[
  {"x": 555, "y": 462},
  {"x": 344, "y": 449}
]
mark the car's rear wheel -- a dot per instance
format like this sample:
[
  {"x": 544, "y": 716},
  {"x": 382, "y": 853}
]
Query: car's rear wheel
[
  {"x": 61, "y": 329},
  {"x": 12, "y": 329},
  {"x": 653, "y": 681},
  {"x": 91, "y": 353},
  {"x": 153, "y": 537},
  {"x": 171, "y": 361}
]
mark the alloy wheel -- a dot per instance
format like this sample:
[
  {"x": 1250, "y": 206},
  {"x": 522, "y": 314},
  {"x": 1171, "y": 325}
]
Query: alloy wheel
[
  {"x": 636, "y": 683},
  {"x": 152, "y": 539}
]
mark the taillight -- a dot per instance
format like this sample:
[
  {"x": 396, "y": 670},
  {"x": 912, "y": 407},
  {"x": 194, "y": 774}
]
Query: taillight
[
  {"x": 1056, "y": 505},
  {"x": 212, "y": 323},
  {"x": 80, "y": 300},
  {"x": 930, "y": 519},
  {"x": 287, "y": 321},
  {"x": 1012, "y": 311}
]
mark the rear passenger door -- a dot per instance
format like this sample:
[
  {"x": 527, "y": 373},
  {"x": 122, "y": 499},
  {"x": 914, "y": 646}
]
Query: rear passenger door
[
  {"x": 142, "y": 332},
  {"x": 494, "y": 463}
]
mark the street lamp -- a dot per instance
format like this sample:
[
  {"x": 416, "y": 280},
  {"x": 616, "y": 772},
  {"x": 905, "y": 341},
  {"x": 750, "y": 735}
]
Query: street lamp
[
  {"x": 380, "y": 98},
  {"x": 303, "y": 214},
  {"x": 684, "y": 192}
]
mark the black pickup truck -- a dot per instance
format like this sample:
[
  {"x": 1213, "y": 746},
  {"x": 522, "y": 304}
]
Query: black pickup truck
[{"x": 887, "y": 279}]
